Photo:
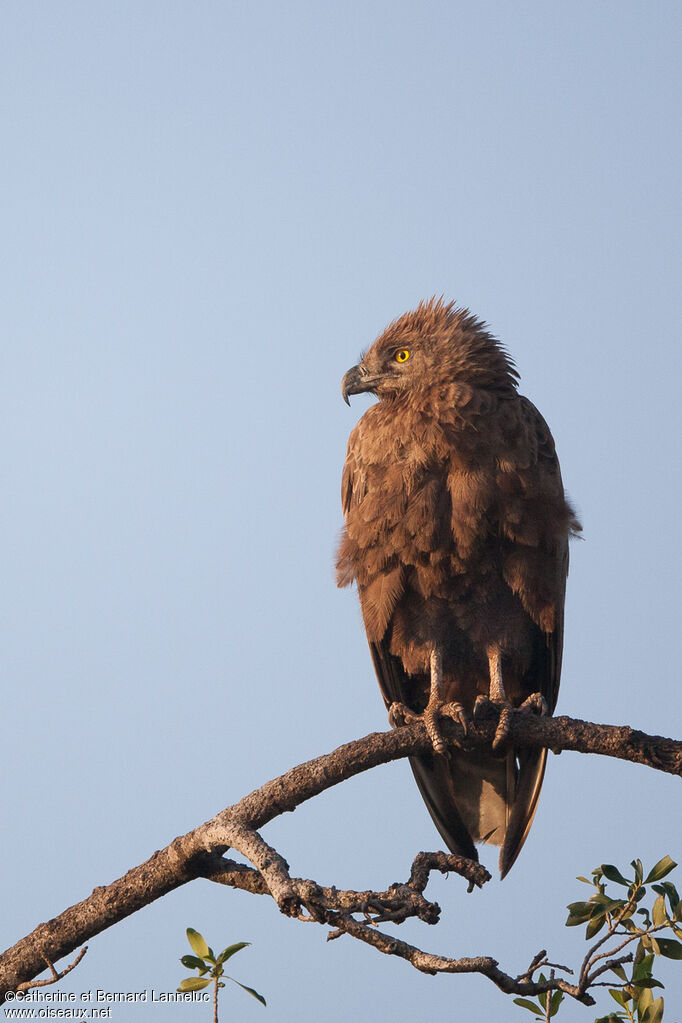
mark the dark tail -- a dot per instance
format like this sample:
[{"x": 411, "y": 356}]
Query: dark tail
[{"x": 477, "y": 797}]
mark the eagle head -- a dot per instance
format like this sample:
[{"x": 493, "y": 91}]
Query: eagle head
[{"x": 432, "y": 345}]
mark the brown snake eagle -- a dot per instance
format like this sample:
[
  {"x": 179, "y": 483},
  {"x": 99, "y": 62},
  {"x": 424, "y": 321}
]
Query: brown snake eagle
[{"x": 456, "y": 533}]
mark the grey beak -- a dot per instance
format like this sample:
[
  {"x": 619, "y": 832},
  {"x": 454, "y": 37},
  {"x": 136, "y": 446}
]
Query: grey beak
[{"x": 356, "y": 381}]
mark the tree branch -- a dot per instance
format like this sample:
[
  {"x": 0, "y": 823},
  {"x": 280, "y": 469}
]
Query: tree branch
[
  {"x": 200, "y": 852},
  {"x": 54, "y": 976}
]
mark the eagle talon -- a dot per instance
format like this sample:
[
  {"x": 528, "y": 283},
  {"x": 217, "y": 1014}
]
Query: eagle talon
[
  {"x": 431, "y": 715},
  {"x": 399, "y": 715},
  {"x": 456, "y": 712},
  {"x": 535, "y": 704},
  {"x": 483, "y": 707},
  {"x": 503, "y": 730}
]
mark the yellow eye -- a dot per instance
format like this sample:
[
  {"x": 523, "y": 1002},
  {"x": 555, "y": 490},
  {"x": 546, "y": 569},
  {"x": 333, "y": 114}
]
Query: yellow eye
[{"x": 402, "y": 355}]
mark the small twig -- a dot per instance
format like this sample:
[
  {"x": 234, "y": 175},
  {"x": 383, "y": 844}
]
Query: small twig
[
  {"x": 424, "y": 863},
  {"x": 610, "y": 965},
  {"x": 540, "y": 961},
  {"x": 55, "y": 976},
  {"x": 548, "y": 999},
  {"x": 558, "y": 966},
  {"x": 535, "y": 964},
  {"x": 427, "y": 962},
  {"x": 591, "y": 957}
]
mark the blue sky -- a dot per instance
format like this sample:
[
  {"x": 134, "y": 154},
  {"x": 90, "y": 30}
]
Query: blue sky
[{"x": 208, "y": 210}]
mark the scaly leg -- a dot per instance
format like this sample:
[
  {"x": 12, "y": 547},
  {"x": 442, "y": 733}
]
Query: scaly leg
[
  {"x": 535, "y": 703},
  {"x": 433, "y": 707},
  {"x": 497, "y": 693},
  {"x": 399, "y": 714},
  {"x": 498, "y": 696}
]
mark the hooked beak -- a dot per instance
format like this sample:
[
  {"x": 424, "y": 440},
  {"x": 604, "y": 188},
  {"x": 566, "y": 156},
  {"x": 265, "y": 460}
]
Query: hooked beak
[{"x": 356, "y": 381}]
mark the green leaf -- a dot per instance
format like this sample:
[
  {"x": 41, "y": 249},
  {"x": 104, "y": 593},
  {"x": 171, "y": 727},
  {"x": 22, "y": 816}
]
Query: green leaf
[
  {"x": 613, "y": 874},
  {"x": 669, "y": 948},
  {"x": 614, "y": 906},
  {"x": 619, "y": 972},
  {"x": 642, "y": 968},
  {"x": 231, "y": 950},
  {"x": 579, "y": 913},
  {"x": 653, "y": 1013},
  {"x": 525, "y": 1003},
  {"x": 584, "y": 879},
  {"x": 618, "y": 996},
  {"x": 669, "y": 889},
  {"x": 660, "y": 869},
  {"x": 555, "y": 1001},
  {"x": 644, "y": 1001},
  {"x": 659, "y": 914},
  {"x": 193, "y": 984},
  {"x": 595, "y": 925},
  {"x": 198, "y": 943},
  {"x": 639, "y": 870},
  {"x": 249, "y": 990},
  {"x": 602, "y": 899},
  {"x": 575, "y": 921},
  {"x": 193, "y": 963}
]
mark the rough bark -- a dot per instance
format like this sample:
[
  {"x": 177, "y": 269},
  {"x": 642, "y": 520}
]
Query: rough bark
[{"x": 199, "y": 853}]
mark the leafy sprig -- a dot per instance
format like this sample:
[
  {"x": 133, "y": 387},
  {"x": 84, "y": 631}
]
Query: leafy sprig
[
  {"x": 210, "y": 968},
  {"x": 621, "y": 917}
]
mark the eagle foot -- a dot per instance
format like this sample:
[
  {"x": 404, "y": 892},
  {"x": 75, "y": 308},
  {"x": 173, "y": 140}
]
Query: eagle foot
[
  {"x": 503, "y": 730},
  {"x": 483, "y": 707},
  {"x": 535, "y": 704},
  {"x": 456, "y": 711},
  {"x": 505, "y": 709},
  {"x": 432, "y": 724},
  {"x": 399, "y": 715}
]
